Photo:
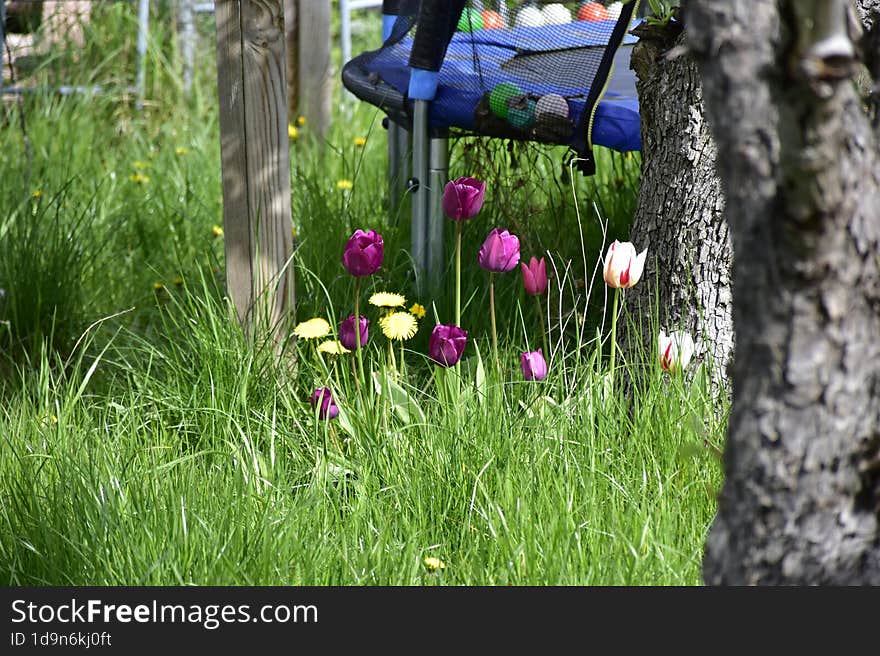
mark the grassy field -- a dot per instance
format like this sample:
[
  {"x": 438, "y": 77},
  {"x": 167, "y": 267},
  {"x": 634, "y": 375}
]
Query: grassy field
[{"x": 144, "y": 440}]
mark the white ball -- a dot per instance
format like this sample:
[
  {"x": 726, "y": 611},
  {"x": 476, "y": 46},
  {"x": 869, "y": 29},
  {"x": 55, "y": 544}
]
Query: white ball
[
  {"x": 614, "y": 10},
  {"x": 556, "y": 14},
  {"x": 529, "y": 17},
  {"x": 551, "y": 105}
]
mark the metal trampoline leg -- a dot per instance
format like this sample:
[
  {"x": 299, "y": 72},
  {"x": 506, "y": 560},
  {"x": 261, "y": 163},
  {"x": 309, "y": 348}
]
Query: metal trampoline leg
[
  {"x": 399, "y": 154},
  {"x": 438, "y": 176},
  {"x": 187, "y": 42},
  {"x": 420, "y": 197},
  {"x": 143, "y": 27}
]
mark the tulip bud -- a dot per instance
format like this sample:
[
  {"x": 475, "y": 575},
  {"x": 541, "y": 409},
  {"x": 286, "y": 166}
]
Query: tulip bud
[
  {"x": 446, "y": 345},
  {"x": 533, "y": 364},
  {"x": 363, "y": 253},
  {"x": 346, "y": 332},
  {"x": 623, "y": 267},
  {"x": 676, "y": 350},
  {"x": 534, "y": 276},
  {"x": 500, "y": 252},
  {"x": 463, "y": 198},
  {"x": 323, "y": 400}
]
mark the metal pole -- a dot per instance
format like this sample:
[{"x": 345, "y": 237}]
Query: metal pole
[
  {"x": 345, "y": 30},
  {"x": 438, "y": 175},
  {"x": 3, "y": 43},
  {"x": 421, "y": 153},
  {"x": 187, "y": 42},
  {"x": 143, "y": 27},
  {"x": 399, "y": 165}
]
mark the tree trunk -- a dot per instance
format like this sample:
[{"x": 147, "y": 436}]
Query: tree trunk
[
  {"x": 798, "y": 159},
  {"x": 679, "y": 215}
]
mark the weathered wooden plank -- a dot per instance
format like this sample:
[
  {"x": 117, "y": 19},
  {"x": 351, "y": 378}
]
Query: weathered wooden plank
[
  {"x": 291, "y": 27},
  {"x": 251, "y": 81},
  {"x": 315, "y": 65}
]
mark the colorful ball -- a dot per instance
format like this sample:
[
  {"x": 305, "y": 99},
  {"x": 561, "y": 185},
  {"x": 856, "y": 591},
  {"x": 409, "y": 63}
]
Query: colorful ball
[
  {"x": 592, "y": 11},
  {"x": 492, "y": 20},
  {"x": 551, "y": 106},
  {"x": 556, "y": 14},
  {"x": 500, "y": 96},
  {"x": 522, "y": 117},
  {"x": 470, "y": 21},
  {"x": 529, "y": 17}
]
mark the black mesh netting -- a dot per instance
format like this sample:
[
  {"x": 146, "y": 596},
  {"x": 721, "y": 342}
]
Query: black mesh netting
[{"x": 531, "y": 70}]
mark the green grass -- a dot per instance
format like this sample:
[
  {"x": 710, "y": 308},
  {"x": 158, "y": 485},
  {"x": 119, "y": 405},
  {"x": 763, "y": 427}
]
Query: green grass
[{"x": 143, "y": 440}]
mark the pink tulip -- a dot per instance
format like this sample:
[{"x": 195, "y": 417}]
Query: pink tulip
[
  {"x": 500, "y": 252},
  {"x": 623, "y": 268},
  {"x": 446, "y": 345},
  {"x": 363, "y": 253},
  {"x": 323, "y": 398},
  {"x": 346, "y": 332},
  {"x": 463, "y": 198},
  {"x": 534, "y": 276},
  {"x": 533, "y": 364}
]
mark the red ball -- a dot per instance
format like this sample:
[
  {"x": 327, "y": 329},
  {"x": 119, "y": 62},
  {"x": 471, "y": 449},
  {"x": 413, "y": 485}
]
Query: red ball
[
  {"x": 593, "y": 11},
  {"x": 492, "y": 20}
]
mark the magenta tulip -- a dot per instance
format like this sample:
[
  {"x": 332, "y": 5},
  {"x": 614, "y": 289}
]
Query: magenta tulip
[
  {"x": 534, "y": 366},
  {"x": 534, "y": 276},
  {"x": 463, "y": 198},
  {"x": 346, "y": 332},
  {"x": 323, "y": 400},
  {"x": 447, "y": 344},
  {"x": 500, "y": 252},
  {"x": 363, "y": 253}
]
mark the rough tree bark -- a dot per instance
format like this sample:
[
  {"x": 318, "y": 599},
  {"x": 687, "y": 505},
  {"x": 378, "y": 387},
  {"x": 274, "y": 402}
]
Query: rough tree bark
[
  {"x": 798, "y": 158},
  {"x": 679, "y": 217}
]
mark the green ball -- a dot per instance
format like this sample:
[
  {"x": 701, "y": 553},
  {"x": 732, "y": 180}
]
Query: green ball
[
  {"x": 500, "y": 96},
  {"x": 470, "y": 20},
  {"x": 522, "y": 117}
]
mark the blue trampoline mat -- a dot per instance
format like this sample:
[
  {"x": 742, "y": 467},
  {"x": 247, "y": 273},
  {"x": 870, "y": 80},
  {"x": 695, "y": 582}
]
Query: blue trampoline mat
[{"x": 462, "y": 84}]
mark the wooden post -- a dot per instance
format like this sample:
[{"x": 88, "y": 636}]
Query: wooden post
[
  {"x": 315, "y": 79},
  {"x": 251, "y": 81},
  {"x": 291, "y": 28}
]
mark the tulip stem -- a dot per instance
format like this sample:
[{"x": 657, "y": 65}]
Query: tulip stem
[
  {"x": 458, "y": 273},
  {"x": 613, "y": 335},
  {"x": 543, "y": 327},
  {"x": 492, "y": 313},
  {"x": 357, "y": 331}
]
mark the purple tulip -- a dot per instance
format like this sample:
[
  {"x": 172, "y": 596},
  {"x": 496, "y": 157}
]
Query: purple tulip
[
  {"x": 500, "y": 252},
  {"x": 534, "y": 366},
  {"x": 363, "y": 253},
  {"x": 324, "y": 398},
  {"x": 534, "y": 276},
  {"x": 463, "y": 198},
  {"x": 447, "y": 344},
  {"x": 346, "y": 332}
]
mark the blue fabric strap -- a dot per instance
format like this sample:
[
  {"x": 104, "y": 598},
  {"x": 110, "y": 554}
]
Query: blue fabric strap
[{"x": 423, "y": 84}]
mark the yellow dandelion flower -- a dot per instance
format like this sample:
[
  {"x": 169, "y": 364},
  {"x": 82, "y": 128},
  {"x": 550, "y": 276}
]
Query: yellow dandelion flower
[
  {"x": 387, "y": 299},
  {"x": 417, "y": 310},
  {"x": 37, "y": 193},
  {"x": 178, "y": 281},
  {"x": 345, "y": 184},
  {"x": 158, "y": 286},
  {"x": 312, "y": 329},
  {"x": 292, "y": 132},
  {"x": 139, "y": 178},
  {"x": 399, "y": 325},
  {"x": 140, "y": 164},
  {"x": 300, "y": 120},
  {"x": 216, "y": 231},
  {"x": 181, "y": 150},
  {"x": 434, "y": 564},
  {"x": 332, "y": 347},
  {"x": 293, "y": 232},
  {"x": 360, "y": 142}
]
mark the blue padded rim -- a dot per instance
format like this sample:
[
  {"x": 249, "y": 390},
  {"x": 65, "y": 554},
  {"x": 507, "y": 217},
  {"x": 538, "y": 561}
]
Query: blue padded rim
[
  {"x": 423, "y": 84},
  {"x": 387, "y": 26}
]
